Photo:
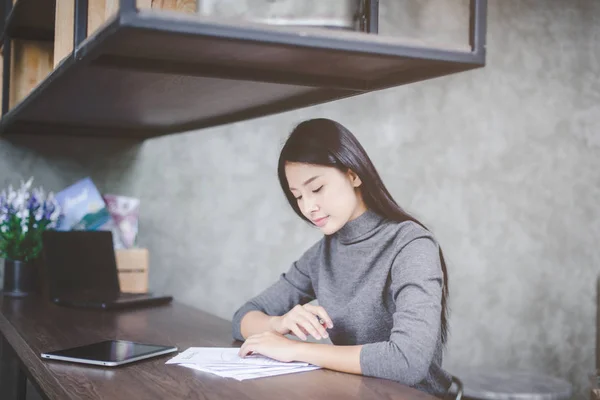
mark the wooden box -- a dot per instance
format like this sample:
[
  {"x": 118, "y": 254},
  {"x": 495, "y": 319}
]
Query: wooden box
[
  {"x": 31, "y": 62},
  {"x": 132, "y": 266},
  {"x": 99, "y": 11}
]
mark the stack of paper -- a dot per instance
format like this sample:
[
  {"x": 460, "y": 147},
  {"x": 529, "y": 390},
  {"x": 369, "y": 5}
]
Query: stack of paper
[{"x": 225, "y": 362}]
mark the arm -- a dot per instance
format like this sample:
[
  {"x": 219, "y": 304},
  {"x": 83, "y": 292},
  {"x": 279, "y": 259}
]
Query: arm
[
  {"x": 292, "y": 288},
  {"x": 256, "y": 322},
  {"x": 337, "y": 358},
  {"x": 417, "y": 289},
  {"x": 406, "y": 357},
  {"x": 274, "y": 345}
]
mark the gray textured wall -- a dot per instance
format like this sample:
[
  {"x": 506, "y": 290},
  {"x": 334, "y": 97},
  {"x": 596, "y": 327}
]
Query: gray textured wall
[{"x": 502, "y": 163}]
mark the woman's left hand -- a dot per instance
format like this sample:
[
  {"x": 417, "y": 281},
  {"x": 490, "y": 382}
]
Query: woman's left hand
[{"x": 271, "y": 344}]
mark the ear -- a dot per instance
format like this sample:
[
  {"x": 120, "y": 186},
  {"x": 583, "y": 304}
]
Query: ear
[{"x": 354, "y": 179}]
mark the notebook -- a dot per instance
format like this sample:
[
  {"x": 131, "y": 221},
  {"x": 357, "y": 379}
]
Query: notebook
[{"x": 81, "y": 271}]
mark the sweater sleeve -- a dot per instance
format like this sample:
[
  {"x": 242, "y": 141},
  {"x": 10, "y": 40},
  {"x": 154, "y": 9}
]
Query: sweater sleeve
[
  {"x": 416, "y": 287},
  {"x": 293, "y": 287}
]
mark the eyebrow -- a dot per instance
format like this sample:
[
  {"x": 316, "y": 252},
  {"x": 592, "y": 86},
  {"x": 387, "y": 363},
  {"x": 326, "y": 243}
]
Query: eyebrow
[{"x": 307, "y": 181}]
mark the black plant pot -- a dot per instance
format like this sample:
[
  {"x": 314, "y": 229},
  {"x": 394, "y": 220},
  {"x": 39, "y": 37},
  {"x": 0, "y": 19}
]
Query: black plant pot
[{"x": 20, "y": 278}]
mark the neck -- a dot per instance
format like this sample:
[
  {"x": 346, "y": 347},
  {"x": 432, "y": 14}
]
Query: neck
[
  {"x": 360, "y": 209},
  {"x": 359, "y": 227}
]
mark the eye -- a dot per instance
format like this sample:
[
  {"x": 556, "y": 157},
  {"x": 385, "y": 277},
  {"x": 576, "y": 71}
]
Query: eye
[
  {"x": 317, "y": 190},
  {"x": 298, "y": 198}
]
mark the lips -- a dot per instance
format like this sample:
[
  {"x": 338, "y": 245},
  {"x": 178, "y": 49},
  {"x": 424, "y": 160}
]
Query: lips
[{"x": 320, "y": 221}]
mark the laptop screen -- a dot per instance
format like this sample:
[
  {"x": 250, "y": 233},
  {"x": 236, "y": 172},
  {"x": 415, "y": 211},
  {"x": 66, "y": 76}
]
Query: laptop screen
[{"x": 80, "y": 261}]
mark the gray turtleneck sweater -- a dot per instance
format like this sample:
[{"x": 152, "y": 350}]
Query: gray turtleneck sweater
[{"x": 381, "y": 283}]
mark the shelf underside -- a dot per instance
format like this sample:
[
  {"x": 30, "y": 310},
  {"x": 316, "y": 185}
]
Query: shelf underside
[{"x": 156, "y": 73}]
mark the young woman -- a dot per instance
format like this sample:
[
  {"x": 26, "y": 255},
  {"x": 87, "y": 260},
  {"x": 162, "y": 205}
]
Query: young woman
[{"x": 378, "y": 274}]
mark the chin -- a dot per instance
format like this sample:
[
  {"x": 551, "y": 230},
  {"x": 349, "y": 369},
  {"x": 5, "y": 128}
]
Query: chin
[{"x": 330, "y": 229}]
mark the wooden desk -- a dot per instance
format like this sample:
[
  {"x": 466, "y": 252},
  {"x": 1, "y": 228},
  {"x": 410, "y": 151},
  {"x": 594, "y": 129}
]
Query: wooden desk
[{"x": 31, "y": 326}]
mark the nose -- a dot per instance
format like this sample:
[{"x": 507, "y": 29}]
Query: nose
[{"x": 310, "y": 205}]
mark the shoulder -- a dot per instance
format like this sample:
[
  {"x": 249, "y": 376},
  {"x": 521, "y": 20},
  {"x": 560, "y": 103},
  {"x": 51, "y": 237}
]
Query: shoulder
[
  {"x": 415, "y": 248},
  {"x": 410, "y": 233}
]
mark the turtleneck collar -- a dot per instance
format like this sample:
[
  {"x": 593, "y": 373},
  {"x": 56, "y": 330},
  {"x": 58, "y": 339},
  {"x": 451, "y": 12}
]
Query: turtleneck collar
[{"x": 359, "y": 228}]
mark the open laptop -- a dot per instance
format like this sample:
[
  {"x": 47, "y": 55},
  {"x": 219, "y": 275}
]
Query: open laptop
[{"x": 81, "y": 271}]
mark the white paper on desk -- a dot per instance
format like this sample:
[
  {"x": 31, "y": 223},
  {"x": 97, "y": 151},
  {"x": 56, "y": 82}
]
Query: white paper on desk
[
  {"x": 241, "y": 367},
  {"x": 225, "y": 362},
  {"x": 225, "y": 356},
  {"x": 241, "y": 375},
  {"x": 245, "y": 370}
]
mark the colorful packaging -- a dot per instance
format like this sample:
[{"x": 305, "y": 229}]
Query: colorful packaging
[
  {"x": 83, "y": 208},
  {"x": 125, "y": 212}
]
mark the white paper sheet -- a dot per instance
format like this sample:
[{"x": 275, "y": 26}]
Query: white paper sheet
[
  {"x": 241, "y": 375},
  {"x": 225, "y": 362},
  {"x": 224, "y": 356}
]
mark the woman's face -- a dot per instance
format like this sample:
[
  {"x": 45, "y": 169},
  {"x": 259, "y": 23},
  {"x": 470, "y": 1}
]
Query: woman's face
[{"x": 325, "y": 195}]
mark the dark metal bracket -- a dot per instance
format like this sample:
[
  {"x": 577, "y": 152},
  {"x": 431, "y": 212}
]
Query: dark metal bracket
[
  {"x": 6, "y": 61},
  {"x": 127, "y": 7},
  {"x": 367, "y": 15},
  {"x": 478, "y": 27},
  {"x": 80, "y": 25}
]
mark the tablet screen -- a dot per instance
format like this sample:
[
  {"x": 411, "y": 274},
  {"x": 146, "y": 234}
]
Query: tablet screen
[{"x": 110, "y": 351}]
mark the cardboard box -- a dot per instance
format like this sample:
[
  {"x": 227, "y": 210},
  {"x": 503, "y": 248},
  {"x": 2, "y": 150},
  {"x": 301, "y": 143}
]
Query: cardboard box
[
  {"x": 132, "y": 266},
  {"x": 99, "y": 11}
]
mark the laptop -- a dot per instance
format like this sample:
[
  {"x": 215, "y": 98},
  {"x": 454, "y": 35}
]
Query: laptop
[{"x": 81, "y": 271}]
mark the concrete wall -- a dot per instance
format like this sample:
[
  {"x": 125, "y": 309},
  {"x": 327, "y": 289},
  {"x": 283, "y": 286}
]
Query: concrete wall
[{"x": 502, "y": 163}]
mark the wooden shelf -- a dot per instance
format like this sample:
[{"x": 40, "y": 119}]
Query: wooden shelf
[{"x": 152, "y": 73}]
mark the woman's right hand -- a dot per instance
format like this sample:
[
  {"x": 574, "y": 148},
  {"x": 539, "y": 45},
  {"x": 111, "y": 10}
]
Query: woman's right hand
[{"x": 302, "y": 320}]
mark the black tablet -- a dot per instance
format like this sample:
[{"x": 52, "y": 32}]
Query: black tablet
[{"x": 109, "y": 353}]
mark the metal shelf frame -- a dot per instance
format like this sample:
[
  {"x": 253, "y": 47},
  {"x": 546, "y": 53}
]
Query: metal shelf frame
[{"x": 137, "y": 46}]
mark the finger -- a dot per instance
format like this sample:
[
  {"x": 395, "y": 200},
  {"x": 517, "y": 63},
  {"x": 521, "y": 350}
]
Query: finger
[
  {"x": 309, "y": 323},
  {"x": 314, "y": 321},
  {"x": 250, "y": 342},
  {"x": 320, "y": 312},
  {"x": 246, "y": 352},
  {"x": 295, "y": 329}
]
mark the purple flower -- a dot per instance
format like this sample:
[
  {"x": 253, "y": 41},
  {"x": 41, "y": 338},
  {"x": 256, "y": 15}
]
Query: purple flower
[
  {"x": 31, "y": 210},
  {"x": 5, "y": 208},
  {"x": 33, "y": 203},
  {"x": 49, "y": 209}
]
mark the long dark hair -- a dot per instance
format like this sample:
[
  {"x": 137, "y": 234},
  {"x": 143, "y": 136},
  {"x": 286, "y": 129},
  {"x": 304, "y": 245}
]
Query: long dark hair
[{"x": 325, "y": 142}]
